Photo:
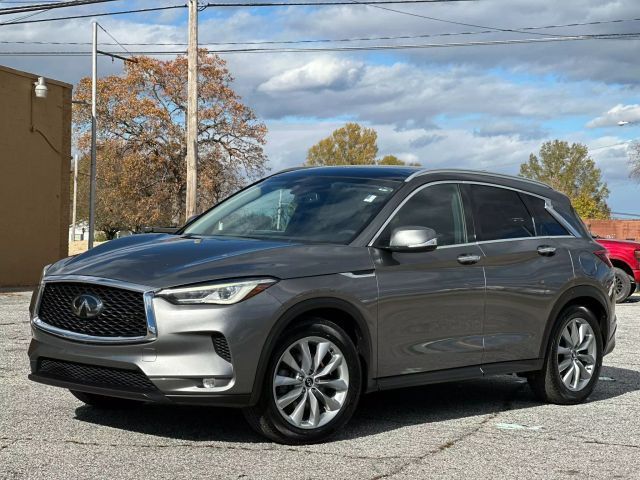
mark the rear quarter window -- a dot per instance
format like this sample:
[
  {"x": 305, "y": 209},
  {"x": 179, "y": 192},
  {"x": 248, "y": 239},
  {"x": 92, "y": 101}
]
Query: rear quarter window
[{"x": 545, "y": 224}]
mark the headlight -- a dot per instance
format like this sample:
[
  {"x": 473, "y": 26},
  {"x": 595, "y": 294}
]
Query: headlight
[{"x": 218, "y": 293}]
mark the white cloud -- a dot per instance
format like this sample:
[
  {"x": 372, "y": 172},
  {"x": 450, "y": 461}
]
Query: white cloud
[
  {"x": 322, "y": 73},
  {"x": 619, "y": 113},
  {"x": 484, "y": 107}
]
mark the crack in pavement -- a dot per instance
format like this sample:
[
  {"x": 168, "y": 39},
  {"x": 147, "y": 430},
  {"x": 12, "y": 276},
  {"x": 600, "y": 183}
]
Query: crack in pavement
[
  {"x": 508, "y": 405},
  {"x": 210, "y": 446}
]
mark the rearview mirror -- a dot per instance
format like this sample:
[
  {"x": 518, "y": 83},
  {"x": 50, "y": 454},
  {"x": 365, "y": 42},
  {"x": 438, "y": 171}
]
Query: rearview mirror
[{"x": 413, "y": 239}]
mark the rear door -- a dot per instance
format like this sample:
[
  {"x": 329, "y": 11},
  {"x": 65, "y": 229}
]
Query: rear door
[
  {"x": 431, "y": 304},
  {"x": 525, "y": 267}
]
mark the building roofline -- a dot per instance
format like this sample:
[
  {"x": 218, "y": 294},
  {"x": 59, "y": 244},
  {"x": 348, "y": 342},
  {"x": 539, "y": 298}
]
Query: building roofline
[{"x": 34, "y": 77}]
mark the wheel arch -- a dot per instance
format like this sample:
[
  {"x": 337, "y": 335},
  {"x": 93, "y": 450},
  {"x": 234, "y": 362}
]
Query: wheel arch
[
  {"x": 339, "y": 311},
  {"x": 583, "y": 295},
  {"x": 622, "y": 265}
]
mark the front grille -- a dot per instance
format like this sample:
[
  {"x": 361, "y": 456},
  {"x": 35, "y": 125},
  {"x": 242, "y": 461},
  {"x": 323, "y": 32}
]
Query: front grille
[
  {"x": 123, "y": 314},
  {"x": 221, "y": 346},
  {"x": 94, "y": 375}
]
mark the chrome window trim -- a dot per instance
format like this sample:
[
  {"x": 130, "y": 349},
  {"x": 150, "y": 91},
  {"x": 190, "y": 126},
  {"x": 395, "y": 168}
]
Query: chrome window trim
[
  {"x": 420, "y": 173},
  {"x": 547, "y": 205},
  {"x": 147, "y": 297}
]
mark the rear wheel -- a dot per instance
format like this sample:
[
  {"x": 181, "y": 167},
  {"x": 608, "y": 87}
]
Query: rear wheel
[
  {"x": 623, "y": 285},
  {"x": 573, "y": 359},
  {"x": 312, "y": 387},
  {"x": 102, "y": 401}
]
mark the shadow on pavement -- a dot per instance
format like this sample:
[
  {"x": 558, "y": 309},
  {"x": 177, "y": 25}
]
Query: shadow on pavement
[{"x": 377, "y": 413}]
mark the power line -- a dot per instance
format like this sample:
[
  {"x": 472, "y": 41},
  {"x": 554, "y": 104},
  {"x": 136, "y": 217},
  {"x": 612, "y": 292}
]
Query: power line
[
  {"x": 323, "y": 40},
  {"x": 627, "y": 214},
  {"x": 611, "y": 146},
  {"x": 23, "y": 17},
  {"x": 76, "y": 3},
  {"x": 324, "y": 3},
  {"x": 618, "y": 36},
  {"x": 104, "y": 14},
  {"x": 443, "y": 20},
  {"x": 50, "y": 6},
  {"x": 114, "y": 39}
]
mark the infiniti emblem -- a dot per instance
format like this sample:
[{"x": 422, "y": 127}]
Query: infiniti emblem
[{"x": 87, "y": 306}]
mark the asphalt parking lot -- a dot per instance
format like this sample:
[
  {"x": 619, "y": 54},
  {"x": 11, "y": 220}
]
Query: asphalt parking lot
[{"x": 492, "y": 428}]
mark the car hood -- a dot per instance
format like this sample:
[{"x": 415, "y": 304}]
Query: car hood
[{"x": 162, "y": 260}]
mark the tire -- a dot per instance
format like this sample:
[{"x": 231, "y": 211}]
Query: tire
[
  {"x": 549, "y": 383},
  {"x": 623, "y": 285},
  {"x": 633, "y": 288},
  {"x": 285, "y": 411},
  {"x": 104, "y": 402}
]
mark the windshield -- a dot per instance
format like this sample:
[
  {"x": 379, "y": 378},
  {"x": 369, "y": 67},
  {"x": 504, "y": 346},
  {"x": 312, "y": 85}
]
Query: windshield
[{"x": 311, "y": 209}]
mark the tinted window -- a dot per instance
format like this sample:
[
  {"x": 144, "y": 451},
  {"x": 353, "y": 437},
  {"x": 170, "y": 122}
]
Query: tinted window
[
  {"x": 500, "y": 214},
  {"x": 570, "y": 215},
  {"x": 544, "y": 223},
  {"x": 312, "y": 209},
  {"x": 438, "y": 207}
]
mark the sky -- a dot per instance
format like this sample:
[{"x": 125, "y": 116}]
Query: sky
[{"x": 482, "y": 106}]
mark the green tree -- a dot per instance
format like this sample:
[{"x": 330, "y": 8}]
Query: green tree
[
  {"x": 569, "y": 169},
  {"x": 393, "y": 160},
  {"x": 350, "y": 145}
]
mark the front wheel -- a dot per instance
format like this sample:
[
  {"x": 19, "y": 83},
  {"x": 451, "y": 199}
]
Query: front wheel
[
  {"x": 312, "y": 387},
  {"x": 573, "y": 359}
]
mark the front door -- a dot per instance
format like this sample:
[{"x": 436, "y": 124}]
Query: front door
[{"x": 431, "y": 304}]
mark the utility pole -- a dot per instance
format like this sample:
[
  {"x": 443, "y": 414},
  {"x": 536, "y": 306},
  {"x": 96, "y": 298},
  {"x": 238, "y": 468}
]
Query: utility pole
[
  {"x": 94, "y": 97},
  {"x": 75, "y": 198},
  {"x": 192, "y": 112}
]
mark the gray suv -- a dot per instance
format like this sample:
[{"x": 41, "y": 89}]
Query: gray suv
[{"x": 303, "y": 291}]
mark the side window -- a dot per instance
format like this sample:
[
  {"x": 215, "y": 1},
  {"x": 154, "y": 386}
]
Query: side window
[
  {"x": 438, "y": 207},
  {"x": 500, "y": 214},
  {"x": 544, "y": 223}
]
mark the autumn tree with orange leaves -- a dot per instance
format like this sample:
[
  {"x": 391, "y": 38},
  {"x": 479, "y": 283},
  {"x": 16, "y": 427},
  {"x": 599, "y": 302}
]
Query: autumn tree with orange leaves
[{"x": 141, "y": 167}]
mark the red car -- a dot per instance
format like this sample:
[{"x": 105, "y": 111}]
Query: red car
[{"x": 625, "y": 257}]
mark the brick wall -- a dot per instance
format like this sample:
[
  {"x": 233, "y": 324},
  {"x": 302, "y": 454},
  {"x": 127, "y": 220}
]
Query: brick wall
[{"x": 615, "y": 229}]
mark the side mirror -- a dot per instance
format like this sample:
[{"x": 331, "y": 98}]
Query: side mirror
[{"x": 413, "y": 239}]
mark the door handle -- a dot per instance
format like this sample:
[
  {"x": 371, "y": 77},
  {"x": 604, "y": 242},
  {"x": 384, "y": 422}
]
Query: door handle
[
  {"x": 466, "y": 259},
  {"x": 546, "y": 250}
]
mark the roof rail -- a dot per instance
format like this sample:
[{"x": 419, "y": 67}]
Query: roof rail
[{"x": 481, "y": 172}]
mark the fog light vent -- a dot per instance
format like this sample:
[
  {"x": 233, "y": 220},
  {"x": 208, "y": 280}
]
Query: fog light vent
[
  {"x": 221, "y": 346},
  {"x": 209, "y": 382}
]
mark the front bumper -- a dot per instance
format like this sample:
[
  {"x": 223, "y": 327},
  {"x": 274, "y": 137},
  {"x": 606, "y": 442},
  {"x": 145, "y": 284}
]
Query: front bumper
[{"x": 176, "y": 361}]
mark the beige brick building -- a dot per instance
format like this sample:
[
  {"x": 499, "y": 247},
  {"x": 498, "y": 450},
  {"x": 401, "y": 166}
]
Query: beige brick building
[{"x": 35, "y": 153}]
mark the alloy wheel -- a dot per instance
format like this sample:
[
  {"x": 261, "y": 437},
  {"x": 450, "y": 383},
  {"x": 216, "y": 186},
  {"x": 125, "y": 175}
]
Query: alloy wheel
[
  {"x": 311, "y": 382},
  {"x": 619, "y": 286},
  {"x": 577, "y": 352}
]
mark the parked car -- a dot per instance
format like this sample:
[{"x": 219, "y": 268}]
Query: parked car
[
  {"x": 302, "y": 292},
  {"x": 625, "y": 257}
]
